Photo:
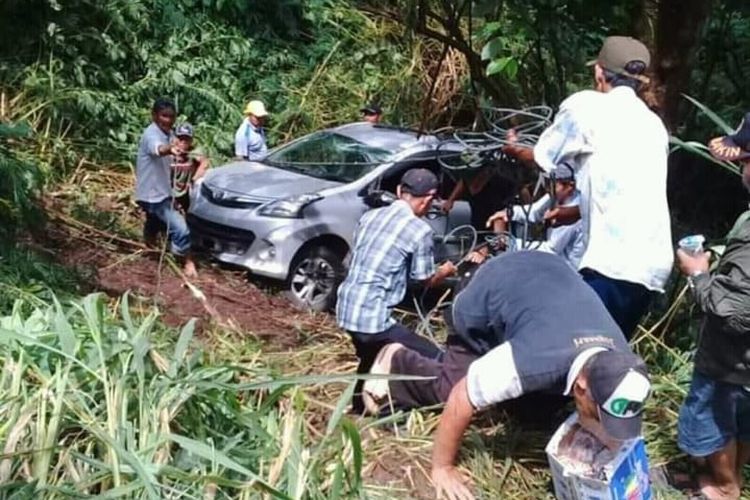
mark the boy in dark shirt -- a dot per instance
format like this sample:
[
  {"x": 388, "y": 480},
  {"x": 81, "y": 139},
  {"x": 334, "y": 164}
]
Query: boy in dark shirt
[{"x": 187, "y": 167}]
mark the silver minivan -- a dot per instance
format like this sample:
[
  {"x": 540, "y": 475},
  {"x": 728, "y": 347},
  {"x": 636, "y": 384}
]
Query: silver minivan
[{"x": 292, "y": 215}]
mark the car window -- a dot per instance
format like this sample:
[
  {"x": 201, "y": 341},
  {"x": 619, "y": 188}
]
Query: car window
[
  {"x": 328, "y": 155},
  {"x": 392, "y": 177}
]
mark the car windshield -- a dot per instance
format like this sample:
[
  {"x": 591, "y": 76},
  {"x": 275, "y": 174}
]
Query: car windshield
[{"x": 328, "y": 155}]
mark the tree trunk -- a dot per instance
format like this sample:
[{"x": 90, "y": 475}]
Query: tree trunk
[{"x": 679, "y": 29}]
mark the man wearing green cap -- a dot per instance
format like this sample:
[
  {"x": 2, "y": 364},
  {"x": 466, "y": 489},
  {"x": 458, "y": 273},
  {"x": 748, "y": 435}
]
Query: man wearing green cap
[{"x": 618, "y": 148}]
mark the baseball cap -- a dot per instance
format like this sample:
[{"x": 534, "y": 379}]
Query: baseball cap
[
  {"x": 735, "y": 146},
  {"x": 618, "y": 52},
  {"x": 563, "y": 172},
  {"x": 419, "y": 181},
  {"x": 371, "y": 109},
  {"x": 619, "y": 385},
  {"x": 256, "y": 108},
  {"x": 184, "y": 130}
]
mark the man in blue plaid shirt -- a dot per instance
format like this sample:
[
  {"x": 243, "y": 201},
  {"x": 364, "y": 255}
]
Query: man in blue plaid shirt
[{"x": 392, "y": 245}]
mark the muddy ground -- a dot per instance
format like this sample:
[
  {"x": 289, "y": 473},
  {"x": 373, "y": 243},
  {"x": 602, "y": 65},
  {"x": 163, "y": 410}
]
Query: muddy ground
[{"x": 230, "y": 300}]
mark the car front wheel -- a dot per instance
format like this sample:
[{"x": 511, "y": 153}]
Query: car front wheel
[{"x": 314, "y": 278}]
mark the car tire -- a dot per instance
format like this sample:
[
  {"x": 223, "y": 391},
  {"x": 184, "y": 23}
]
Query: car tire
[{"x": 314, "y": 277}]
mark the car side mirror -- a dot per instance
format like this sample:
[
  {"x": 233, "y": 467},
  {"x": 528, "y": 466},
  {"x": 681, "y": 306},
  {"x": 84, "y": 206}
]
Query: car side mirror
[{"x": 379, "y": 198}]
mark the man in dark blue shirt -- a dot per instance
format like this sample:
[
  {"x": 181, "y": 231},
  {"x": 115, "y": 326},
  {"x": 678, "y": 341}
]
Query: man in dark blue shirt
[{"x": 526, "y": 322}]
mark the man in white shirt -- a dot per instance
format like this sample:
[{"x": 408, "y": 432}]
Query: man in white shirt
[
  {"x": 567, "y": 241},
  {"x": 250, "y": 138},
  {"x": 153, "y": 183},
  {"x": 618, "y": 148}
]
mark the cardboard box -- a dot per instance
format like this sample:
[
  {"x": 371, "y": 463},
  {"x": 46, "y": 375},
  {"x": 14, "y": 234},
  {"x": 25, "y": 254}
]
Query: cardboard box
[{"x": 624, "y": 478}]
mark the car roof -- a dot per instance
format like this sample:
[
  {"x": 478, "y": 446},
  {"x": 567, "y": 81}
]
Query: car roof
[{"x": 387, "y": 137}]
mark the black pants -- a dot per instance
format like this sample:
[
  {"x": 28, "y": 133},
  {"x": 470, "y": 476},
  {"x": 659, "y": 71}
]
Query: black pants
[
  {"x": 536, "y": 409},
  {"x": 626, "y": 302},
  {"x": 368, "y": 345}
]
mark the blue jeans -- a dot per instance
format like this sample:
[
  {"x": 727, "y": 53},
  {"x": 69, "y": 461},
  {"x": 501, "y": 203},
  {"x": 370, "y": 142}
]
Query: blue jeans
[
  {"x": 625, "y": 301},
  {"x": 163, "y": 215},
  {"x": 713, "y": 414}
]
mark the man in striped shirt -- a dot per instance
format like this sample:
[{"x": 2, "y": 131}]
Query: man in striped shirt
[{"x": 392, "y": 245}]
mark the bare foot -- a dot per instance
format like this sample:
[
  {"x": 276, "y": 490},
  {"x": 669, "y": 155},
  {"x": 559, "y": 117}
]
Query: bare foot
[
  {"x": 712, "y": 491},
  {"x": 189, "y": 269}
]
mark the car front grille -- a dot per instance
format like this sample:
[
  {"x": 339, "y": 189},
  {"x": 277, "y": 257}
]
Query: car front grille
[
  {"x": 218, "y": 237},
  {"x": 226, "y": 199}
]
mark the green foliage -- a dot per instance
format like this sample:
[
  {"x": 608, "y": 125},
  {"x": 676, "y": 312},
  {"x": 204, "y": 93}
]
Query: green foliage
[
  {"x": 314, "y": 63},
  {"x": 27, "y": 275},
  {"x": 95, "y": 401},
  {"x": 22, "y": 179}
]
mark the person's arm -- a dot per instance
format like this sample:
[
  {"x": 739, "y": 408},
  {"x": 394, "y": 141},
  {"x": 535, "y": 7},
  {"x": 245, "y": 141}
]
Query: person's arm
[
  {"x": 725, "y": 292},
  {"x": 240, "y": 142},
  {"x": 563, "y": 216},
  {"x": 523, "y": 153},
  {"x": 446, "y": 479},
  {"x": 536, "y": 210},
  {"x": 445, "y": 269},
  {"x": 202, "y": 167},
  {"x": 490, "y": 379},
  {"x": 423, "y": 262},
  {"x": 458, "y": 190},
  {"x": 159, "y": 145},
  {"x": 563, "y": 142}
]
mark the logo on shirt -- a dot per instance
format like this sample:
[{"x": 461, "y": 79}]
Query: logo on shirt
[{"x": 598, "y": 339}]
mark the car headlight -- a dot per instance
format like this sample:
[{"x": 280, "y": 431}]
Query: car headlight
[{"x": 289, "y": 208}]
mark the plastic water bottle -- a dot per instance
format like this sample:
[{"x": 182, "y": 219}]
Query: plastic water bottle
[{"x": 692, "y": 244}]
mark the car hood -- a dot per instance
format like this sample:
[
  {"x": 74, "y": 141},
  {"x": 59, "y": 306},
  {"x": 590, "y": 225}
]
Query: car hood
[{"x": 261, "y": 181}]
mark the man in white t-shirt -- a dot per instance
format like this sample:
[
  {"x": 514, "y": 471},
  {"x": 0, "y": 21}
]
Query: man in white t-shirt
[
  {"x": 618, "y": 148},
  {"x": 250, "y": 138}
]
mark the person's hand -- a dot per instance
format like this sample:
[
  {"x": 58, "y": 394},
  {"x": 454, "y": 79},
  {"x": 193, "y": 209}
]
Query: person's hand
[
  {"x": 476, "y": 257},
  {"x": 447, "y": 206},
  {"x": 550, "y": 216},
  {"x": 692, "y": 264},
  {"x": 512, "y": 136},
  {"x": 501, "y": 215},
  {"x": 447, "y": 268},
  {"x": 175, "y": 150},
  {"x": 450, "y": 484}
]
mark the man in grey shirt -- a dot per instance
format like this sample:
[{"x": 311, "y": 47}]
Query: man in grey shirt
[{"x": 153, "y": 185}]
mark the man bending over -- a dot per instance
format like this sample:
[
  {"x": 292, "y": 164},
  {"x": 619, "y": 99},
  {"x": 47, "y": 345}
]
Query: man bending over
[{"x": 527, "y": 322}]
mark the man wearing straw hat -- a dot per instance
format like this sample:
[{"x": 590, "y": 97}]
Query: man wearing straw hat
[
  {"x": 250, "y": 138},
  {"x": 714, "y": 424}
]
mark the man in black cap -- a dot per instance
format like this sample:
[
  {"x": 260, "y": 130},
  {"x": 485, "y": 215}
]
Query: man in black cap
[
  {"x": 714, "y": 422},
  {"x": 392, "y": 245},
  {"x": 618, "y": 148},
  {"x": 525, "y": 323},
  {"x": 372, "y": 113}
]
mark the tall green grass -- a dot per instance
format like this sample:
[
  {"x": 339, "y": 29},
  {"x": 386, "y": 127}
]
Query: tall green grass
[{"x": 97, "y": 402}]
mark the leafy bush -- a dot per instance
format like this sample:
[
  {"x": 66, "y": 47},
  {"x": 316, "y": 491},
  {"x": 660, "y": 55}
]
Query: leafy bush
[
  {"x": 21, "y": 180},
  {"x": 95, "y": 402}
]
